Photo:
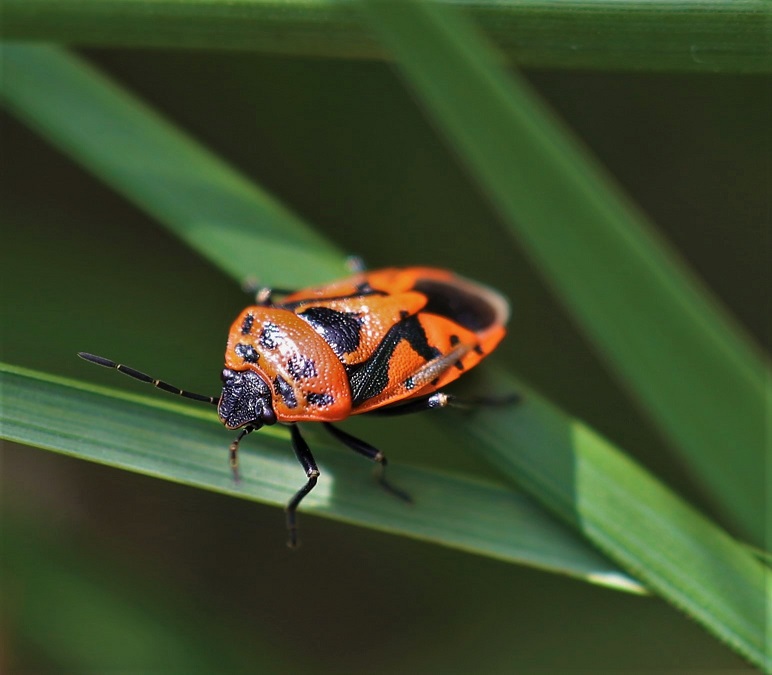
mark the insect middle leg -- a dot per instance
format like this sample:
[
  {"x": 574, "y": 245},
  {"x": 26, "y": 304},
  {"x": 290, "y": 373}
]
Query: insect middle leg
[
  {"x": 440, "y": 399},
  {"x": 306, "y": 459},
  {"x": 370, "y": 452}
]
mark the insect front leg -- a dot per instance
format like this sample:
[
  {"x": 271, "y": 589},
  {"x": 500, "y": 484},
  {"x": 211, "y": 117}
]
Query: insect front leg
[
  {"x": 372, "y": 453},
  {"x": 234, "y": 452},
  {"x": 306, "y": 459}
]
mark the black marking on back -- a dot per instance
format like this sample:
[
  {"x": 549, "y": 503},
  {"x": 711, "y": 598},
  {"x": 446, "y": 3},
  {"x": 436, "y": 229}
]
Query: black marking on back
[
  {"x": 246, "y": 325},
  {"x": 341, "y": 330},
  {"x": 409, "y": 383},
  {"x": 283, "y": 389},
  {"x": 478, "y": 350},
  {"x": 271, "y": 336},
  {"x": 319, "y": 400},
  {"x": 459, "y": 365},
  {"x": 454, "y": 340},
  {"x": 371, "y": 377},
  {"x": 247, "y": 353},
  {"x": 466, "y": 309},
  {"x": 301, "y": 367}
]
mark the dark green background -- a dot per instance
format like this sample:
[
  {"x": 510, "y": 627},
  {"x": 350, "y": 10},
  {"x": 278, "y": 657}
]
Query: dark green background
[{"x": 343, "y": 145}]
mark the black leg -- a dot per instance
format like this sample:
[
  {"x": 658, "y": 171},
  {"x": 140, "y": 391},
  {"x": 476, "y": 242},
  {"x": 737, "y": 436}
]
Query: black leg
[
  {"x": 303, "y": 453},
  {"x": 441, "y": 400},
  {"x": 234, "y": 451},
  {"x": 436, "y": 400},
  {"x": 371, "y": 453}
]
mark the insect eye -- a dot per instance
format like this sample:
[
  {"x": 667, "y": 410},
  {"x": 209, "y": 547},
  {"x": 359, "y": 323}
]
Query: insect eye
[{"x": 226, "y": 374}]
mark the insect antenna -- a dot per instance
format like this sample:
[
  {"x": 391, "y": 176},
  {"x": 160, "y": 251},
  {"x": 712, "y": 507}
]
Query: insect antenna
[{"x": 142, "y": 377}]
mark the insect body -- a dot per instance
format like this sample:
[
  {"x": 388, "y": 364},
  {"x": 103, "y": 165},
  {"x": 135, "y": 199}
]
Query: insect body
[{"x": 380, "y": 342}]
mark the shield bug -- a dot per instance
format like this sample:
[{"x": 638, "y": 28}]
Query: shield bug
[{"x": 379, "y": 342}]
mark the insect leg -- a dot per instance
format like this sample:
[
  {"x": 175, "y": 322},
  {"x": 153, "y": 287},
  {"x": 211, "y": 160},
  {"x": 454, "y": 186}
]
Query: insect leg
[
  {"x": 436, "y": 400},
  {"x": 442, "y": 400},
  {"x": 306, "y": 459},
  {"x": 370, "y": 452},
  {"x": 234, "y": 451},
  {"x": 263, "y": 294}
]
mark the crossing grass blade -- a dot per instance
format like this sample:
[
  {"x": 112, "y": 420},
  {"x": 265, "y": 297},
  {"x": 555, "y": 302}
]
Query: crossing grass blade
[{"x": 689, "y": 366}]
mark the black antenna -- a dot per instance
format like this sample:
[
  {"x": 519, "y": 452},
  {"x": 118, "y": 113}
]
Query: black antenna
[{"x": 142, "y": 377}]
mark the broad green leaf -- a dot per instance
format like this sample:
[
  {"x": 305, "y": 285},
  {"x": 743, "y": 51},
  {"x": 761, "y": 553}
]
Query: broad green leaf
[
  {"x": 691, "y": 369},
  {"x": 661, "y": 35},
  {"x": 187, "y": 445}
]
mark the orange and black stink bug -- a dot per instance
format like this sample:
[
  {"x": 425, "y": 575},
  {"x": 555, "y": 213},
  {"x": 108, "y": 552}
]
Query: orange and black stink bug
[{"x": 382, "y": 342}]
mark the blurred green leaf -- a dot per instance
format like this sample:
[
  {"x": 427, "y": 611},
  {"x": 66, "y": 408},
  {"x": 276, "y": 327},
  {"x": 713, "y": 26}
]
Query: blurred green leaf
[
  {"x": 68, "y": 603},
  {"x": 154, "y": 164},
  {"x": 664, "y": 35},
  {"x": 187, "y": 445},
  {"x": 687, "y": 364}
]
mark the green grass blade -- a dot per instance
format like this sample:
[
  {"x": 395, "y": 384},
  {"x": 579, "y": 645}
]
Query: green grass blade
[
  {"x": 689, "y": 367},
  {"x": 187, "y": 445},
  {"x": 632, "y": 517},
  {"x": 154, "y": 164},
  {"x": 664, "y": 35}
]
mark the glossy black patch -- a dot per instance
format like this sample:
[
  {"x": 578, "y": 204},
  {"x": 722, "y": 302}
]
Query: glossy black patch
[
  {"x": 286, "y": 392},
  {"x": 319, "y": 400},
  {"x": 247, "y": 353},
  {"x": 301, "y": 368},
  {"x": 466, "y": 309},
  {"x": 370, "y": 378},
  {"x": 409, "y": 384},
  {"x": 246, "y": 325},
  {"x": 271, "y": 336},
  {"x": 341, "y": 330}
]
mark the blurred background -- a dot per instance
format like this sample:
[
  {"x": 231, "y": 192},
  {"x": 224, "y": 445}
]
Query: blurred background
[{"x": 158, "y": 577}]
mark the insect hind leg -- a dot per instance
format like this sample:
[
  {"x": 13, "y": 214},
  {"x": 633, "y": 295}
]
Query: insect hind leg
[{"x": 371, "y": 453}]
